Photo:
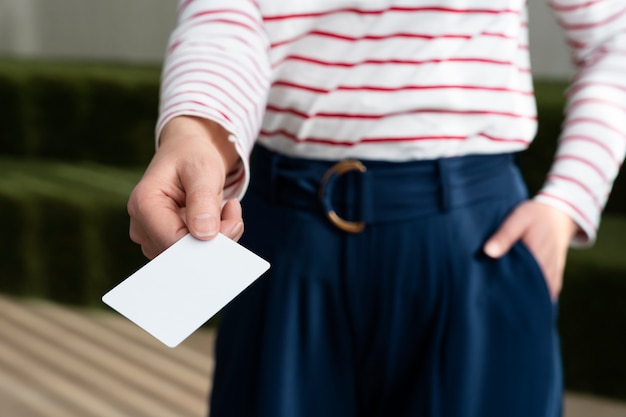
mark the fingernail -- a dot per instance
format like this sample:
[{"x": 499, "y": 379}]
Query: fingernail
[
  {"x": 493, "y": 249},
  {"x": 236, "y": 230},
  {"x": 205, "y": 225}
]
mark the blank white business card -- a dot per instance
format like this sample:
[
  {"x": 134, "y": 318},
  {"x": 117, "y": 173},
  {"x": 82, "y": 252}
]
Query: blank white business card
[{"x": 178, "y": 291}]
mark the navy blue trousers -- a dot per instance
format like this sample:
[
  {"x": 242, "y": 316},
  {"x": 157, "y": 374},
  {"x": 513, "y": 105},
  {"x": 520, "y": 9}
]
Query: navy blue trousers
[{"x": 406, "y": 318}]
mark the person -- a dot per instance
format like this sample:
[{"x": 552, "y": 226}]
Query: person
[{"x": 375, "y": 143}]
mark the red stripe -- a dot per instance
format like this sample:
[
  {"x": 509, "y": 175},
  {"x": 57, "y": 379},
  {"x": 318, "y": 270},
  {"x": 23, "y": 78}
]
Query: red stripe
[
  {"x": 180, "y": 62},
  {"x": 201, "y": 71},
  {"x": 575, "y": 44},
  {"x": 595, "y": 101},
  {"x": 389, "y": 9},
  {"x": 173, "y": 46},
  {"x": 183, "y": 5},
  {"x": 218, "y": 87},
  {"x": 288, "y": 84},
  {"x": 393, "y": 61},
  {"x": 599, "y": 122},
  {"x": 225, "y": 116},
  {"x": 603, "y": 52},
  {"x": 295, "y": 138},
  {"x": 307, "y": 116},
  {"x": 525, "y": 142},
  {"x": 373, "y": 140},
  {"x": 186, "y": 111},
  {"x": 586, "y": 189},
  {"x": 580, "y": 85},
  {"x": 411, "y": 138},
  {"x": 213, "y": 44},
  {"x": 228, "y": 22},
  {"x": 231, "y": 182},
  {"x": 222, "y": 104},
  {"x": 334, "y": 142},
  {"x": 571, "y": 7},
  {"x": 346, "y": 38},
  {"x": 259, "y": 26},
  {"x": 583, "y": 161},
  {"x": 596, "y": 142},
  {"x": 606, "y": 50},
  {"x": 171, "y": 104},
  {"x": 498, "y": 35},
  {"x": 255, "y": 63},
  {"x": 585, "y": 26}
]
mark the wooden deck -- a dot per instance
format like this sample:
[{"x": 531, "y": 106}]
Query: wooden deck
[
  {"x": 60, "y": 362},
  {"x": 57, "y": 361}
]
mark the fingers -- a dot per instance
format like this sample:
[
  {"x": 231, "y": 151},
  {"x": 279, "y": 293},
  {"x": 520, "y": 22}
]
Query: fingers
[
  {"x": 546, "y": 232},
  {"x": 203, "y": 202},
  {"x": 168, "y": 203},
  {"x": 155, "y": 220},
  {"x": 232, "y": 222},
  {"x": 203, "y": 156},
  {"x": 182, "y": 189},
  {"x": 511, "y": 231},
  {"x": 167, "y": 225}
]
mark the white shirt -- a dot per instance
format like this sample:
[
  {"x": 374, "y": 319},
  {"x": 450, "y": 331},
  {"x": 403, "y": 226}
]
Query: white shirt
[{"x": 401, "y": 80}]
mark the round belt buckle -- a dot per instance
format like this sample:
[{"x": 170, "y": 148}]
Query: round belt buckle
[{"x": 339, "y": 169}]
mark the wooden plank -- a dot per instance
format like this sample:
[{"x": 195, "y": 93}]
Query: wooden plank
[
  {"x": 92, "y": 365},
  {"x": 183, "y": 367},
  {"x": 19, "y": 397}
]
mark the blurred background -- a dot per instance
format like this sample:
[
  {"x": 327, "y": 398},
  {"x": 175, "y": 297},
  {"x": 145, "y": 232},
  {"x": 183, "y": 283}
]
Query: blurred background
[{"x": 78, "y": 102}]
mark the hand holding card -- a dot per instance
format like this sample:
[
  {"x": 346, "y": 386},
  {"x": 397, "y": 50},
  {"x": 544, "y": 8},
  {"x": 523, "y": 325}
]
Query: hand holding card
[{"x": 186, "y": 285}]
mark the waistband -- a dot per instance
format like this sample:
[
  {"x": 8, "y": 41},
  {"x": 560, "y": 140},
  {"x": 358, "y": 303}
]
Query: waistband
[{"x": 355, "y": 193}]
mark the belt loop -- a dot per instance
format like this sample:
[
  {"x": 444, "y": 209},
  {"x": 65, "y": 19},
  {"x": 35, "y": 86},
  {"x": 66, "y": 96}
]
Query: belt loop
[{"x": 443, "y": 179}]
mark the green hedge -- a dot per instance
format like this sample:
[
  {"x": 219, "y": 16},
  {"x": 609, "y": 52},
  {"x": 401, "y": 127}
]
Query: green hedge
[
  {"x": 66, "y": 229},
  {"x": 74, "y": 139},
  {"x": 593, "y": 314},
  {"x": 75, "y": 112}
]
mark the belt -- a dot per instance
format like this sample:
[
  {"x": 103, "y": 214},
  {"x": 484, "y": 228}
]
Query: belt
[{"x": 355, "y": 193}]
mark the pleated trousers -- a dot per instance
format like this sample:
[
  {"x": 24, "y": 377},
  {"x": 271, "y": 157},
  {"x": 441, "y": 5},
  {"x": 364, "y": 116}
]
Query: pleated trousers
[{"x": 406, "y": 317}]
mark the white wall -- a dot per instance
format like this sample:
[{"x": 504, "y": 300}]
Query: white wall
[
  {"x": 549, "y": 54},
  {"x": 137, "y": 31},
  {"x": 120, "y": 30}
]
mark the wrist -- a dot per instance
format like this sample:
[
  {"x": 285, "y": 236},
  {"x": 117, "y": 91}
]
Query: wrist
[{"x": 186, "y": 129}]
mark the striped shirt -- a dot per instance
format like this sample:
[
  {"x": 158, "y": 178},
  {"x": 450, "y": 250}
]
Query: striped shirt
[{"x": 401, "y": 80}]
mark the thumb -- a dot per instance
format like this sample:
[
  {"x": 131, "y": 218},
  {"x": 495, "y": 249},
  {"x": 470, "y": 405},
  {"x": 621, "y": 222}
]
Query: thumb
[
  {"x": 203, "y": 201},
  {"x": 201, "y": 151},
  {"x": 509, "y": 232}
]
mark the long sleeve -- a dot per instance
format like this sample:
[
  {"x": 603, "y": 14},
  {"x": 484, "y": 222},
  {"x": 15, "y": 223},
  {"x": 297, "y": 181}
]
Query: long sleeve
[
  {"x": 593, "y": 141},
  {"x": 217, "y": 67}
]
